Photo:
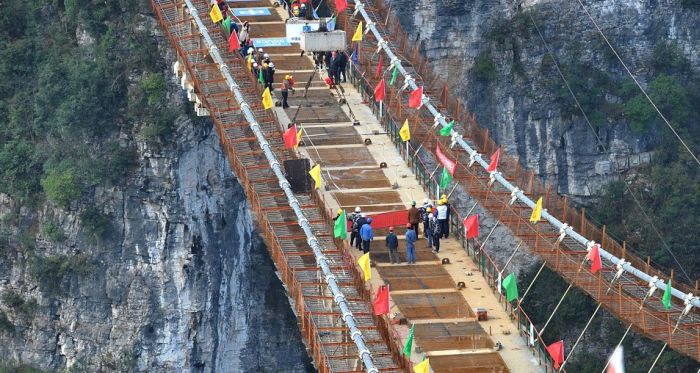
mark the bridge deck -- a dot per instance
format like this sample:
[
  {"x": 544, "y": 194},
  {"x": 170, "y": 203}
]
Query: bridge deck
[{"x": 327, "y": 338}]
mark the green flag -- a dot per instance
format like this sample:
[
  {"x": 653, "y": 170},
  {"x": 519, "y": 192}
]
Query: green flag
[
  {"x": 260, "y": 77},
  {"x": 340, "y": 229},
  {"x": 409, "y": 342},
  {"x": 445, "y": 131},
  {"x": 445, "y": 178},
  {"x": 511, "y": 287},
  {"x": 227, "y": 25},
  {"x": 667, "y": 296},
  {"x": 394, "y": 73}
]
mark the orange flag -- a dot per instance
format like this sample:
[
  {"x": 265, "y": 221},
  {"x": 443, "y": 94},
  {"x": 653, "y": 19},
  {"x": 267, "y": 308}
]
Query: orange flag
[{"x": 233, "y": 43}]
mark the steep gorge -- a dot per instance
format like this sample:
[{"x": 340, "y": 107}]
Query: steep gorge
[{"x": 138, "y": 251}]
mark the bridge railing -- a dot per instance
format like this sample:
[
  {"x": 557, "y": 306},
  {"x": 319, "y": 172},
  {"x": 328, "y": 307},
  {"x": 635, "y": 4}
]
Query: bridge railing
[{"x": 428, "y": 179}]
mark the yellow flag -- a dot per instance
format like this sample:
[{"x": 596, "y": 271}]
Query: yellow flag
[
  {"x": 364, "y": 264},
  {"x": 536, "y": 212},
  {"x": 422, "y": 367},
  {"x": 215, "y": 14},
  {"x": 358, "y": 33},
  {"x": 299, "y": 133},
  {"x": 316, "y": 175},
  {"x": 267, "y": 99},
  {"x": 250, "y": 62},
  {"x": 405, "y": 132}
]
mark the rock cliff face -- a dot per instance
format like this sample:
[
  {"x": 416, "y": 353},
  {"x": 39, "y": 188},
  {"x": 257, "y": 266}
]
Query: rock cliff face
[
  {"x": 493, "y": 56},
  {"x": 166, "y": 275}
]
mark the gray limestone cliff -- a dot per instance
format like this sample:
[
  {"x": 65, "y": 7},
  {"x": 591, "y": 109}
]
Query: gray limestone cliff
[
  {"x": 163, "y": 273},
  {"x": 492, "y": 55}
]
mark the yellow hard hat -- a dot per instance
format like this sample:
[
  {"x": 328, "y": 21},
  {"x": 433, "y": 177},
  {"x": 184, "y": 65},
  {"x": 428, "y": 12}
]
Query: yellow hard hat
[
  {"x": 287, "y": 77},
  {"x": 443, "y": 197},
  {"x": 340, "y": 211}
]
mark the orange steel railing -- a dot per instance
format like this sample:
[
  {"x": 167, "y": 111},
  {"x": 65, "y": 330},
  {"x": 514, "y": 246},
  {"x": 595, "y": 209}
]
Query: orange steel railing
[
  {"x": 624, "y": 299},
  {"x": 245, "y": 159}
]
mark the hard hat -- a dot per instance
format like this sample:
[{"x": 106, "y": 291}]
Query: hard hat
[
  {"x": 369, "y": 220},
  {"x": 426, "y": 201},
  {"x": 443, "y": 196},
  {"x": 441, "y": 202},
  {"x": 265, "y": 65},
  {"x": 430, "y": 216},
  {"x": 408, "y": 225},
  {"x": 427, "y": 209},
  {"x": 250, "y": 50},
  {"x": 255, "y": 64},
  {"x": 340, "y": 211},
  {"x": 391, "y": 229},
  {"x": 287, "y": 77},
  {"x": 260, "y": 50},
  {"x": 413, "y": 203},
  {"x": 266, "y": 55},
  {"x": 358, "y": 209},
  {"x": 272, "y": 65}
]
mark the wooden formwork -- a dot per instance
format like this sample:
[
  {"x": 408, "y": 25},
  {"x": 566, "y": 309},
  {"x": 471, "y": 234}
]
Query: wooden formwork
[
  {"x": 329, "y": 343},
  {"x": 625, "y": 297}
]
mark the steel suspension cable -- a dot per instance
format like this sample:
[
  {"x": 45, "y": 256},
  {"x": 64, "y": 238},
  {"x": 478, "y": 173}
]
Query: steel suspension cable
[
  {"x": 602, "y": 145},
  {"x": 338, "y": 296},
  {"x": 517, "y": 192},
  {"x": 637, "y": 83},
  {"x": 579, "y": 337},
  {"x": 555, "y": 309}
]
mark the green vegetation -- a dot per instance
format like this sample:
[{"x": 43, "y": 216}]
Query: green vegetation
[
  {"x": 53, "y": 232},
  {"x": 50, "y": 271},
  {"x": 26, "y": 308},
  {"x": 65, "y": 98},
  {"x": 484, "y": 67},
  {"x": 13, "y": 367},
  {"x": 5, "y": 324},
  {"x": 96, "y": 224}
]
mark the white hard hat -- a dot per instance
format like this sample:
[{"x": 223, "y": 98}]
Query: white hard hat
[
  {"x": 255, "y": 64},
  {"x": 250, "y": 51},
  {"x": 358, "y": 209},
  {"x": 272, "y": 65},
  {"x": 266, "y": 55},
  {"x": 426, "y": 201},
  {"x": 259, "y": 49},
  {"x": 430, "y": 215}
]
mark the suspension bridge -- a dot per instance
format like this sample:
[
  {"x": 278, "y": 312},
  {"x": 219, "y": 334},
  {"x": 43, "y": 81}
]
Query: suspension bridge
[{"x": 327, "y": 292}]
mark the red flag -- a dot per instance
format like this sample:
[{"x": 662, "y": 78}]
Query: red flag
[
  {"x": 379, "y": 91},
  {"x": 290, "y": 137},
  {"x": 381, "y": 302},
  {"x": 448, "y": 163},
  {"x": 556, "y": 351},
  {"x": 379, "y": 68},
  {"x": 494, "y": 161},
  {"x": 594, "y": 257},
  {"x": 415, "y": 100},
  {"x": 233, "y": 43},
  {"x": 341, "y": 5},
  {"x": 471, "y": 224}
]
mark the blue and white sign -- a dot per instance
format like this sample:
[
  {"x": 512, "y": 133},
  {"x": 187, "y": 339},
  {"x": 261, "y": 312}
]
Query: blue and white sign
[
  {"x": 271, "y": 42},
  {"x": 251, "y": 12}
]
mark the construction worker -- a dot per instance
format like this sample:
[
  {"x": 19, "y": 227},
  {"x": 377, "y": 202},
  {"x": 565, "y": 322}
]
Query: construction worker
[
  {"x": 342, "y": 64},
  {"x": 426, "y": 226},
  {"x": 255, "y": 69},
  {"x": 414, "y": 216},
  {"x": 435, "y": 231},
  {"x": 355, "y": 226},
  {"x": 287, "y": 84},
  {"x": 392, "y": 243},
  {"x": 443, "y": 216},
  {"x": 269, "y": 76},
  {"x": 367, "y": 235},
  {"x": 411, "y": 238}
]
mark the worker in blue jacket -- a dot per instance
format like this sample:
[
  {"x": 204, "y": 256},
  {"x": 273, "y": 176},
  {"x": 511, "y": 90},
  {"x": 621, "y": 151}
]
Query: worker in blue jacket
[
  {"x": 411, "y": 238},
  {"x": 367, "y": 235}
]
